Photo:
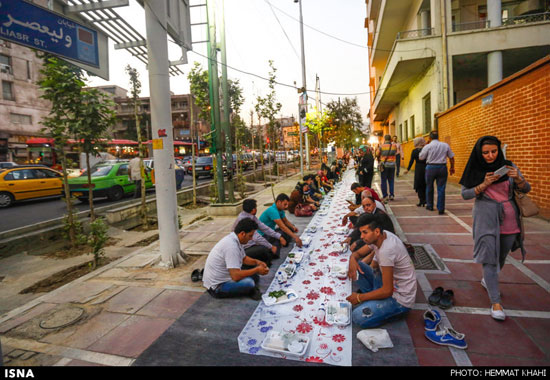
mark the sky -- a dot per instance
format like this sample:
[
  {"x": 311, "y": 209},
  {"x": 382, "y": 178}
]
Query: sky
[{"x": 261, "y": 30}]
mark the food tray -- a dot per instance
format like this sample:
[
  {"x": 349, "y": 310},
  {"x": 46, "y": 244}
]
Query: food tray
[
  {"x": 286, "y": 343},
  {"x": 285, "y": 272},
  {"x": 296, "y": 256},
  {"x": 306, "y": 241},
  {"x": 338, "y": 313},
  {"x": 341, "y": 230},
  {"x": 311, "y": 229},
  {"x": 339, "y": 269},
  {"x": 338, "y": 247},
  {"x": 289, "y": 294}
]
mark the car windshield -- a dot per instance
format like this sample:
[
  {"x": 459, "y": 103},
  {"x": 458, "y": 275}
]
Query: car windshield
[
  {"x": 204, "y": 160},
  {"x": 98, "y": 171}
]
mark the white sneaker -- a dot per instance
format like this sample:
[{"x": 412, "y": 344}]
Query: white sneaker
[{"x": 498, "y": 314}]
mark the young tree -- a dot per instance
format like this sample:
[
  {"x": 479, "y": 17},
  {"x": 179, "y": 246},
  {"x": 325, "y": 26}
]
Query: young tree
[
  {"x": 345, "y": 117},
  {"x": 318, "y": 125},
  {"x": 95, "y": 115},
  {"x": 269, "y": 107},
  {"x": 61, "y": 84},
  {"x": 135, "y": 90}
]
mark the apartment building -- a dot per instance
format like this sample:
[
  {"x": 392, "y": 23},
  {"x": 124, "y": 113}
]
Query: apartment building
[{"x": 427, "y": 55}]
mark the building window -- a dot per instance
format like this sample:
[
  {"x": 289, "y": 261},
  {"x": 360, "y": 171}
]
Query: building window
[
  {"x": 29, "y": 71},
  {"x": 5, "y": 64},
  {"x": 7, "y": 91},
  {"x": 413, "y": 132},
  {"x": 427, "y": 105},
  {"x": 17, "y": 118},
  {"x": 400, "y": 132}
]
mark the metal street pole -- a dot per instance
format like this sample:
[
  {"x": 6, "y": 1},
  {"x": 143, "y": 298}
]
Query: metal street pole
[
  {"x": 215, "y": 98},
  {"x": 163, "y": 140},
  {"x": 226, "y": 108},
  {"x": 303, "y": 76}
]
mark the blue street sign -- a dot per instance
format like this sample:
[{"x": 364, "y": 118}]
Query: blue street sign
[{"x": 39, "y": 28}]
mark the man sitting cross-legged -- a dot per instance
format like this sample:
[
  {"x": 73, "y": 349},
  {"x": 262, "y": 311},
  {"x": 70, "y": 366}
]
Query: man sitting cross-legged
[
  {"x": 387, "y": 287},
  {"x": 274, "y": 217},
  {"x": 228, "y": 272},
  {"x": 259, "y": 247}
]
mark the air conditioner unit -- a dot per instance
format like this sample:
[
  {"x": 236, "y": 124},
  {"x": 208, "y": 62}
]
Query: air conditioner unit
[{"x": 5, "y": 68}]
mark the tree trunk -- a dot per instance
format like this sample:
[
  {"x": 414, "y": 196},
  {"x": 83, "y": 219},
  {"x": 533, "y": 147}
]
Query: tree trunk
[
  {"x": 90, "y": 189},
  {"x": 70, "y": 217}
]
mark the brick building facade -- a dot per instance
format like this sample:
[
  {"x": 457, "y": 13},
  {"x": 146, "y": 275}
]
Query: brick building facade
[{"x": 517, "y": 111}]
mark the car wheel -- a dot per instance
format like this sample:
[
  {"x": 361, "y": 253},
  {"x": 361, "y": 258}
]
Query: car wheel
[
  {"x": 6, "y": 199},
  {"x": 115, "y": 194}
]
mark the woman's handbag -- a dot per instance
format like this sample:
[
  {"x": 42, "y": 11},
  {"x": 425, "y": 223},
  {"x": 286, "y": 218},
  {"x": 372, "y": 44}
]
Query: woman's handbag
[
  {"x": 526, "y": 206},
  {"x": 303, "y": 210}
]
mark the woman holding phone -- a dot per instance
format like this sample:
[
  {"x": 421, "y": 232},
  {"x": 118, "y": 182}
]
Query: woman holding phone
[{"x": 497, "y": 227}]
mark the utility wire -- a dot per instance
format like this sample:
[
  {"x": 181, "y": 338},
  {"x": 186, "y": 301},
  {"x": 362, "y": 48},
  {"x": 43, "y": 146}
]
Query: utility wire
[{"x": 284, "y": 31}]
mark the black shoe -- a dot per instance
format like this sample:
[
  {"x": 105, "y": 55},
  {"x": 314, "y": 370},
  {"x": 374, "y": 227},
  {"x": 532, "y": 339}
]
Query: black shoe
[
  {"x": 429, "y": 208},
  {"x": 435, "y": 297},
  {"x": 441, "y": 212},
  {"x": 446, "y": 300},
  {"x": 256, "y": 295},
  {"x": 421, "y": 205}
]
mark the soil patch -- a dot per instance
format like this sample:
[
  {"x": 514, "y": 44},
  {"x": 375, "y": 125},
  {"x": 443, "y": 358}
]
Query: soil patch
[
  {"x": 65, "y": 276},
  {"x": 145, "y": 242}
]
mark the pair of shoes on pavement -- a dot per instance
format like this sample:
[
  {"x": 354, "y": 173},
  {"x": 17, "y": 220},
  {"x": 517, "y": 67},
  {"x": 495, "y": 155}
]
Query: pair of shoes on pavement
[
  {"x": 445, "y": 336},
  {"x": 197, "y": 275},
  {"x": 442, "y": 298},
  {"x": 256, "y": 294},
  {"x": 497, "y": 314}
]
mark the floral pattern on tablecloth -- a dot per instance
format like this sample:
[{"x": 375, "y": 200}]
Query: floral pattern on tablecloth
[{"x": 315, "y": 287}]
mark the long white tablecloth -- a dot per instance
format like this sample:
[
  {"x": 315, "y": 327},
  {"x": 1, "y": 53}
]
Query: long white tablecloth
[{"x": 315, "y": 286}]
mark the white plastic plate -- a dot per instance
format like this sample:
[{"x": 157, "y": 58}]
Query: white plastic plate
[
  {"x": 269, "y": 301},
  {"x": 286, "y": 344}
]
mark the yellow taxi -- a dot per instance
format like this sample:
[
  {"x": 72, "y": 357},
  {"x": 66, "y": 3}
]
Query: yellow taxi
[{"x": 28, "y": 182}]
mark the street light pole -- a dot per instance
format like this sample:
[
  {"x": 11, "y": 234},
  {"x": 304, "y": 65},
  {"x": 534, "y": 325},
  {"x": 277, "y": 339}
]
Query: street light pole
[{"x": 303, "y": 76}]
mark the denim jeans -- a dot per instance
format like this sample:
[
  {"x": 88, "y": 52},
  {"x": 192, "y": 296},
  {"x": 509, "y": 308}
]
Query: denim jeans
[
  {"x": 387, "y": 177},
  {"x": 438, "y": 174},
  {"x": 374, "y": 313},
  {"x": 235, "y": 288}
]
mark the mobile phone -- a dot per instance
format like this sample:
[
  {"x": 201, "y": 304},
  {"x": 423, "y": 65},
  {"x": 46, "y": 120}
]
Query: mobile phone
[{"x": 502, "y": 171}]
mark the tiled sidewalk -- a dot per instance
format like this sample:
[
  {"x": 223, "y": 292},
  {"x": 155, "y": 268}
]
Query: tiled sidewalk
[{"x": 523, "y": 338}]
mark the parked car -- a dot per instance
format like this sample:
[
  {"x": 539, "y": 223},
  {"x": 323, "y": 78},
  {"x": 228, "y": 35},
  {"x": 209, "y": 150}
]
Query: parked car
[
  {"x": 108, "y": 180},
  {"x": 27, "y": 182},
  {"x": 247, "y": 161},
  {"x": 7, "y": 164},
  {"x": 204, "y": 166},
  {"x": 180, "y": 172}
]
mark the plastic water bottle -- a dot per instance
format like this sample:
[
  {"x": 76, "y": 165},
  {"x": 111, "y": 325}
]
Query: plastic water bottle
[{"x": 321, "y": 313}]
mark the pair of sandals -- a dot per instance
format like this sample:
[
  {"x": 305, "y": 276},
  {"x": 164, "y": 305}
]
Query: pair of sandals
[
  {"x": 442, "y": 298},
  {"x": 197, "y": 275}
]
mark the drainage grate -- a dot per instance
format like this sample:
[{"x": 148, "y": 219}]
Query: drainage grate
[{"x": 422, "y": 259}]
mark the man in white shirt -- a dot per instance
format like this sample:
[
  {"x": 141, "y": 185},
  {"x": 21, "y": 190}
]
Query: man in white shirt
[
  {"x": 436, "y": 153},
  {"x": 134, "y": 172},
  {"x": 264, "y": 248},
  {"x": 387, "y": 287},
  {"x": 228, "y": 272}
]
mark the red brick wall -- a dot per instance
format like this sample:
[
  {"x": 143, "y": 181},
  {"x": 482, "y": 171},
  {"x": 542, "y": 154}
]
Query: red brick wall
[{"x": 519, "y": 116}]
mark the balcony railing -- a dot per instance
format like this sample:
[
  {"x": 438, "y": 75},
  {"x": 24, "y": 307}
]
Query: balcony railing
[
  {"x": 418, "y": 33},
  {"x": 535, "y": 17},
  {"x": 481, "y": 24}
]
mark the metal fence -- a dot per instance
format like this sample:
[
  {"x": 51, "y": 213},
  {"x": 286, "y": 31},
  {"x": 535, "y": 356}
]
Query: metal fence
[
  {"x": 535, "y": 17},
  {"x": 418, "y": 33},
  {"x": 481, "y": 24}
]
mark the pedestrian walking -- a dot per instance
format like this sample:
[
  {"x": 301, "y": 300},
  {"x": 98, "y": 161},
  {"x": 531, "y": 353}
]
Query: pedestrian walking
[
  {"x": 135, "y": 175},
  {"x": 436, "y": 153},
  {"x": 366, "y": 167},
  {"x": 400, "y": 156},
  {"x": 386, "y": 157},
  {"x": 419, "y": 184},
  {"x": 497, "y": 226}
]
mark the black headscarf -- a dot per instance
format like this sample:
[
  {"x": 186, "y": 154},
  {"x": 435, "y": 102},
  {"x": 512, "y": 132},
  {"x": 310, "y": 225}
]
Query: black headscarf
[{"x": 477, "y": 167}]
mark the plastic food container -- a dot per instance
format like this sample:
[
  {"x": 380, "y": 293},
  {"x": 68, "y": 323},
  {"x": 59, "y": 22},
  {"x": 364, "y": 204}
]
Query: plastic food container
[
  {"x": 286, "y": 343},
  {"x": 296, "y": 256},
  {"x": 288, "y": 296},
  {"x": 339, "y": 269},
  {"x": 306, "y": 241},
  {"x": 338, "y": 313}
]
